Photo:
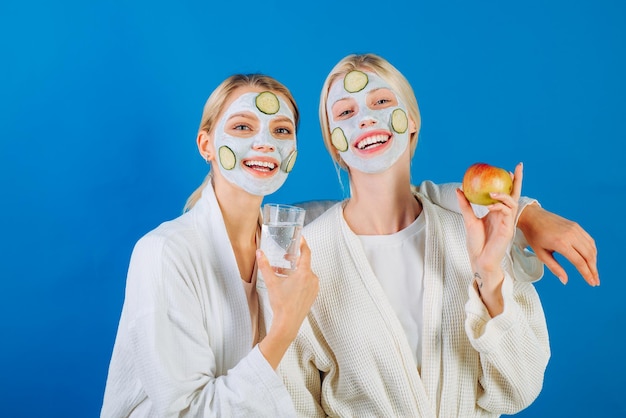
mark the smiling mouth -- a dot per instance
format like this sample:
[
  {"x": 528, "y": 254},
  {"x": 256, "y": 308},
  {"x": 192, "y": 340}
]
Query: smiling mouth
[
  {"x": 264, "y": 166},
  {"x": 373, "y": 141}
]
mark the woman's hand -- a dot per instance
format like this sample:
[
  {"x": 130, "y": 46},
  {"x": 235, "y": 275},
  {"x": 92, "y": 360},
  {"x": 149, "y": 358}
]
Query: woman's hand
[
  {"x": 488, "y": 239},
  {"x": 547, "y": 233},
  {"x": 291, "y": 298}
]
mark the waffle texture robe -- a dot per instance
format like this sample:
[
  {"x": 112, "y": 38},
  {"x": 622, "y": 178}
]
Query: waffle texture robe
[
  {"x": 352, "y": 359},
  {"x": 184, "y": 344}
]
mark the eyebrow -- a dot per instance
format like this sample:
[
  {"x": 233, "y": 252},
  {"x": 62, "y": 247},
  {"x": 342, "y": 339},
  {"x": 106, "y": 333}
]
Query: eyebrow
[
  {"x": 241, "y": 115},
  {"x": 379, "y": 88},
  {"x": 282, "y": 119},
  {"x": 342, "y": 99}
]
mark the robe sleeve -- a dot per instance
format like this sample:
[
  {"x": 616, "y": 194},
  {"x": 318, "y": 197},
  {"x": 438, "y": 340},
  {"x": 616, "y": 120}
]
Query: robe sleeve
[
  {"x": 174, "y": 355},
  {"x": 514, "y": 347}
]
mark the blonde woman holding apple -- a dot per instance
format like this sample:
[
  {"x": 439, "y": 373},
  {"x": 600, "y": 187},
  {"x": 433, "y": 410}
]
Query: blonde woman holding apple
[{"x": 422, "y": 312}]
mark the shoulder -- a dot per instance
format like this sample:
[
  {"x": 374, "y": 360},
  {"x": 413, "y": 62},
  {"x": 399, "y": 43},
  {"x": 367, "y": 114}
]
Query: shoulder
[
  {"x": 433, "y": 190},
  {"x": 167, "y": 237},
  {"x": 328, "y": 218},
  {"x": 440, "y": 216},
  {"x": 322, "y": 234},
  {"x": 315, "y": 208}
]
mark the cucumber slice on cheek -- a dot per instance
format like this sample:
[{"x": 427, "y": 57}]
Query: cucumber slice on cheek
[
  {"x": 399, "y": 121},
  {"x": 290, "y": 162},
  {"x": 355, "y": 81},
  {"x": 227, "y": 157},
  {"x": 267, "y": 102},
  {"x": 338, "y": 138}
]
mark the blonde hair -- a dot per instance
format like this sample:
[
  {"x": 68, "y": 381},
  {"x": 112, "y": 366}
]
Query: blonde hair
[
  {"x": 214, "y": 106},
  {"x": 389, "y": 73}
]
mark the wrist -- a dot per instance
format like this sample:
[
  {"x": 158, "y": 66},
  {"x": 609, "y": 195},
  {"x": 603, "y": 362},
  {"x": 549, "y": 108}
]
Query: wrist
[
  {"x": 488, "y": 282},
  {"x": 282, "y": 332},
  {"x": 526, "y": 215},
  {"x": 490, "y": 292},
  {"x": 274, "y": 346}
]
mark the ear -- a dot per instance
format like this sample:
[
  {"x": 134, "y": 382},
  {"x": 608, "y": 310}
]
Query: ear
[
  {"x": 412, "y": 126},
  {"x": 205, "y": 145}
]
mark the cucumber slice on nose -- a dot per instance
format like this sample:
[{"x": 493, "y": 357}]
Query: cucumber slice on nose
[
  {"x": 267, "y": 102},
  {"x": 355, "y": 81}
]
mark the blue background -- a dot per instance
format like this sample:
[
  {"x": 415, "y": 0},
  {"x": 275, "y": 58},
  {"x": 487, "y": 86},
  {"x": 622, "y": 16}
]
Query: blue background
[{"x": 100, "y": 105}]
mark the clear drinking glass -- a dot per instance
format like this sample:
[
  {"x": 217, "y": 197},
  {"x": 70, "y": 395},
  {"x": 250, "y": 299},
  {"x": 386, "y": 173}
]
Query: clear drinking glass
[{"x": 280, "y": 236}]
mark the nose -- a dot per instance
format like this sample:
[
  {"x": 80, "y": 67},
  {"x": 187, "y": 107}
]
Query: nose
[
  {"x": 365, "y": 123},
  {"x": 264, "y": 148}
]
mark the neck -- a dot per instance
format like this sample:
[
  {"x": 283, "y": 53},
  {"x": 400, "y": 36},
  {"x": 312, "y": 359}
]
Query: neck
[
  {"x": 240, "y": 211},
  {"x": 381, "y": 204}
]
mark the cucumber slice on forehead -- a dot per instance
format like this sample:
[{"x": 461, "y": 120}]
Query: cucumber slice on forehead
[
  {"x": 399, "y": 121},
  {"x": 267, "y": 102},
  {"x": 338, "y": 139},
  {"x": 355, "y": 81},
  {"x": 290, "y": 161},
  {"x": 227, "y": 157}
]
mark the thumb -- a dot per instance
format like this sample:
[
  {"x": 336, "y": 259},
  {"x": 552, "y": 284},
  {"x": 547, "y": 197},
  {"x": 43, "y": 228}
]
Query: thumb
[
  {"x": 466, "y": 208},
  {"x": 305, "y": 253}
]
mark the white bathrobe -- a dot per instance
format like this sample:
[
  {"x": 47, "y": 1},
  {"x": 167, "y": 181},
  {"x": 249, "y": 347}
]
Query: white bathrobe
[
  {"x": 184, "y": 344},
  {"x": 352, "y": 358}
]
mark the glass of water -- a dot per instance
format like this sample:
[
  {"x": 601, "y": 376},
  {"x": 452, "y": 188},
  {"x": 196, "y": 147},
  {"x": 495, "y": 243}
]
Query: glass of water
[{"x": 280, "y": 236}]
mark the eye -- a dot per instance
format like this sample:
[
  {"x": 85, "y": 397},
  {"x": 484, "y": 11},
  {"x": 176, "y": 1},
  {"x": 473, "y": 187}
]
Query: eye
[
  {"x": 381, "y": 99},
  {"x": 282, "y": 131},
  {"x": 343, "y": 113},
  {"x": 344, "y": 109},
  {"x": 242, "y": 127}
]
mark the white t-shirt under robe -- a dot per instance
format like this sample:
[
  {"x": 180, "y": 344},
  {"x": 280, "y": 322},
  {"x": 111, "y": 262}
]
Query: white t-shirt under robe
[{"x": 398, "y": 262}]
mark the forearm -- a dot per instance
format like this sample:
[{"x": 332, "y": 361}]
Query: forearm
[
  {"x": 181, "y": 374},
  {"x": 275, "y": 345}
]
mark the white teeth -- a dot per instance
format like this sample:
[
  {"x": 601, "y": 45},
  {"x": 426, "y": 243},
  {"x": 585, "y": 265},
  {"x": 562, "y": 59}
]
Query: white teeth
[
  {"x": 266, "y": 164},
  {"x": 381, "y": 139}
]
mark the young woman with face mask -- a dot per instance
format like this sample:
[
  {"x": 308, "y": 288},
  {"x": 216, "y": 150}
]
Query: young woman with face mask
[
  {"x": 189, "y": 341},
  {"x": 421, "y": 311}
]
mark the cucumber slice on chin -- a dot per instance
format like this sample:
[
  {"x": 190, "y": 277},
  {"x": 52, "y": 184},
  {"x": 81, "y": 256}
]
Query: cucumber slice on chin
[
  {"x": 399, "y": 121},
  {"x": 227, "y": 157},
  {"x": 267, "y": 102},
  {"x": 338, "y": 139},
  {"x": 355, "y": 81}
]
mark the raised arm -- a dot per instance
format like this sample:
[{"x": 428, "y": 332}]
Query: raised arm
[
  {"x": 505, "y": 322},
  {"x": 544, "y": 231}
]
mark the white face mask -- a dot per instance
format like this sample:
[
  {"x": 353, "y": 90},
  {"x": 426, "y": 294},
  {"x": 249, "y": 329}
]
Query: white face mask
[
  {"x": 371, "y": 136},
  {"x": 258, "y": 164}
]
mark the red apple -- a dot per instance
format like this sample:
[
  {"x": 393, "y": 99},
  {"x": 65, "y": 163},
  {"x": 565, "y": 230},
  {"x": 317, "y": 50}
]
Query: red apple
[{"x": 480, "y": 179}]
